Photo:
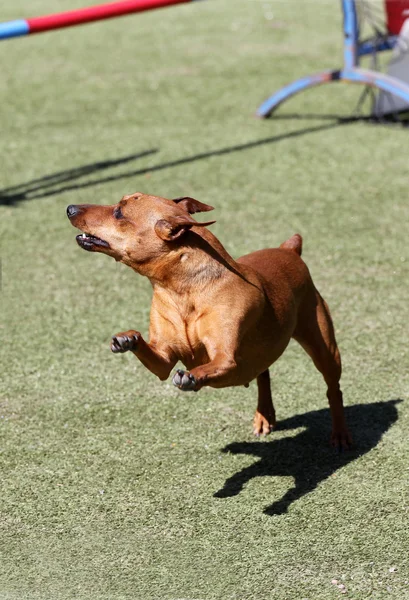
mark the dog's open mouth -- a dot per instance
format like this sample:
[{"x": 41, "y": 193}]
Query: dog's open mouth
[{"x": 89, "y": 242}]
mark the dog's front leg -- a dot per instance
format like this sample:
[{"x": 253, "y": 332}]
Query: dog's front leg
[
  {"x": 219, "y": 372},
  {"x": 159, "y": 361}
]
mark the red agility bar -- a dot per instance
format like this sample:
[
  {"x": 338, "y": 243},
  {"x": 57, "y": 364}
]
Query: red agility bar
[{"x": 95, "y": 13}]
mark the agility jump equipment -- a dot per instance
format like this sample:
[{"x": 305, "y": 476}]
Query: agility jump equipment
[
  {"x": 82, "y": 15},
  {"x": 397, "y": 11}
]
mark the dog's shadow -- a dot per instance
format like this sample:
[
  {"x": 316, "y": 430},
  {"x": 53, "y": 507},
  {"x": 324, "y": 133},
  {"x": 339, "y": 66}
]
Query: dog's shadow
[{"x": 305, "y": 457}]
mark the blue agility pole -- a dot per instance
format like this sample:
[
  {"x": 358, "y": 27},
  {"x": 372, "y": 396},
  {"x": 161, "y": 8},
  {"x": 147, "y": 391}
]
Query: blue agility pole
[{"x": 351, "y": 73}]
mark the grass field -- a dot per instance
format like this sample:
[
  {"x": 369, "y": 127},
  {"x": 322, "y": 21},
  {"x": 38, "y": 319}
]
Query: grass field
[{"x": 113, "y": 484}]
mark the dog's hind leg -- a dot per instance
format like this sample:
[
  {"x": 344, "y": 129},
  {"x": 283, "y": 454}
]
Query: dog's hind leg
[
  {"x": 265, "y": 416},
  {"x": 315, "y": 333}
]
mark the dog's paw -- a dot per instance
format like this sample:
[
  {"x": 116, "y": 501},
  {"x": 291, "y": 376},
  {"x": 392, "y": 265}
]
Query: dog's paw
[
  {"x": 263, "y": 425},
  {"x": 184, "y": 380},
  {"x": 341, "y": 439},
  {"x": 123, "y": 342}
]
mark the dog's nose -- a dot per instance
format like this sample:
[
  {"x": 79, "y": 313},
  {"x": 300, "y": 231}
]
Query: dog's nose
[{"x": 73, "y": 210}]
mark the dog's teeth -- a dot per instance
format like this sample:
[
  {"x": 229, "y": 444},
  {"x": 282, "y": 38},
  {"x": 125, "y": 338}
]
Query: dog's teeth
[{"x": 84, "y": 235}]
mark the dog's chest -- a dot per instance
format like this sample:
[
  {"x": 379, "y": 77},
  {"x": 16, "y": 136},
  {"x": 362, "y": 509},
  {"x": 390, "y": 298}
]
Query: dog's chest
[
  {"x": 189, "y": 347},
  {"x": 179, "y": 325}
]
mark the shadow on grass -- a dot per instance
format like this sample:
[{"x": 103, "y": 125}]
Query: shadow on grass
[
  {"x": 39, "y": 188},
  {"x": 304, "y": 456},
  {"x": 51, "y": 185},
  {"x": 391, "y": 120}
]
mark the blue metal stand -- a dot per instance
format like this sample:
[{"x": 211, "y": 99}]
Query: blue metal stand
[{"x": 353, "y": 50}]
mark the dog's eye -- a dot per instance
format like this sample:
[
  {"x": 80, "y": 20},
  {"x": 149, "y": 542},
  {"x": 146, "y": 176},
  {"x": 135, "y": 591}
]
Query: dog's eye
[{"x": 118, "y": 213}]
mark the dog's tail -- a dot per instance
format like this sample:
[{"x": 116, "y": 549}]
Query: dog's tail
[{"x": 294, "y": 244}]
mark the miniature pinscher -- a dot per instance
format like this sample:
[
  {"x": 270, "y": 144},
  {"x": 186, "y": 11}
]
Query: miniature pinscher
[{"x": 226, "y": 320}]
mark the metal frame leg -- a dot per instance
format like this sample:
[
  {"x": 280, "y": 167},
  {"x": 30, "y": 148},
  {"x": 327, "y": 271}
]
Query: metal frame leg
[
  {"x": 294, "y": 88},
  {"x": 351, "y": 72},
  {"x": 381, "y": 81}
]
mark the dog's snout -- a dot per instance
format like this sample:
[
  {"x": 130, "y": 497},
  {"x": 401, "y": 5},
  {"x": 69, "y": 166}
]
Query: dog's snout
[{"x": 73, "y": 211}]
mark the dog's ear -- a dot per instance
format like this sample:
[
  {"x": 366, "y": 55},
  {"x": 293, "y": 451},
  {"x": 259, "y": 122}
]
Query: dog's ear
[
  {"x": 191, "y": 205},
  {"x": 173, "y": 228}
]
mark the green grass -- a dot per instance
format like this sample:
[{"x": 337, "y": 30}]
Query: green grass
[{"x": 108, "y": 476}]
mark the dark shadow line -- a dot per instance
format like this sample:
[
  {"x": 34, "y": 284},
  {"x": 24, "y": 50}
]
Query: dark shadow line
[
  {"x": 383, "y": 121},
  {"x": 20, "y": 196},
  {"x": 75, "y": 173},
  {"x": 314, "y": 117}
]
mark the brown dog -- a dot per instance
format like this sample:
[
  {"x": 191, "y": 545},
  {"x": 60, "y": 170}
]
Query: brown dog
[{"x": 226, "y": 320}]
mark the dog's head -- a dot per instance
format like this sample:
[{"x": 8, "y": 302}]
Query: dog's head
[{"x": 137, "y": 230}]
